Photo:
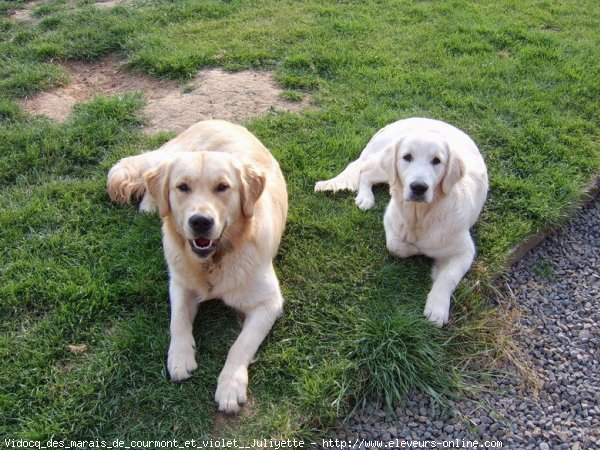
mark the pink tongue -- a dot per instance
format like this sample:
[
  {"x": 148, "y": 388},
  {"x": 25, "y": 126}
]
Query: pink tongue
[{"x": 201, "y": 242}]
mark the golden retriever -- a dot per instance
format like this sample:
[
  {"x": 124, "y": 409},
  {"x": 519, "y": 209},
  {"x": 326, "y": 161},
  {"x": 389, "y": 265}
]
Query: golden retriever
[
  {"x": 438, "y": 185},
  {"x": 223, "y": 203}
]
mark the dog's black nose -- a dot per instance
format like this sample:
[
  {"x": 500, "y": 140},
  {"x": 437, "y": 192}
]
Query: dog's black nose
[
  {"x": 418, "y": 188},
  {"x": 201, "y": 224}
]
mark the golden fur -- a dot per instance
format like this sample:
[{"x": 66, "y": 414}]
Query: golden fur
[{"x": 223, "y": 202}]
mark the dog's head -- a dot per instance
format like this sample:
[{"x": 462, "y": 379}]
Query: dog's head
[
  {"x": 205, "y": 193},
  {"x": 424, "y": 164}
]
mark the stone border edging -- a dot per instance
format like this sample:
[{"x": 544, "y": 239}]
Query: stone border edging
[{"x": 518, "y": 251}]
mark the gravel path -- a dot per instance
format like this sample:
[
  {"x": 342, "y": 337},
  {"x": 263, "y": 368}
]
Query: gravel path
[{"x": 557, "y": 285}]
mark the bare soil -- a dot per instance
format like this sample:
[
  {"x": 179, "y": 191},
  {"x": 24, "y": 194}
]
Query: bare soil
[
  {"x": 25, "y": 14},
  {"x": 212, "y": 94},
  {"x": 22, "y": 15},
  {"x": 109, "y": 3}
]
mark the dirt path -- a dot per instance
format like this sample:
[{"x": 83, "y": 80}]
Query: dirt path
[{"x": 212, "y": 94}]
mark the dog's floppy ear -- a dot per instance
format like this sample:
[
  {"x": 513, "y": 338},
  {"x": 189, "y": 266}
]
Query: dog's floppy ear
[
  {"x": 253, "y": 185},
  {"x": 157, "y": 185},
  {"x": 388, "y": 162},
  {"x": 455, "y": 170}
]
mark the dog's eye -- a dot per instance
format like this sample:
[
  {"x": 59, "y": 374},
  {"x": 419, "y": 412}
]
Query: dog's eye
[
  {"x": 435, "y": 161},
  {"x": 183, "y": 187},
  {"x": 222, "y": 187},
  {"x": 407, "y": 157}
]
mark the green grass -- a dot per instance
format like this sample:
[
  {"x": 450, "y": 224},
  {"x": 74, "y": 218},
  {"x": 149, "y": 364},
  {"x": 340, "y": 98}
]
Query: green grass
[
  {"x": 543, "y": 269},
  {"x": 521, "y": 77}
]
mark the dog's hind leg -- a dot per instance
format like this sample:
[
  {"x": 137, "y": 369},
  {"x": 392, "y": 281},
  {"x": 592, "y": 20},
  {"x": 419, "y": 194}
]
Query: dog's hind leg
[
  {"x": 148, "y": 204},
  {"x": 346, "y": 180}
]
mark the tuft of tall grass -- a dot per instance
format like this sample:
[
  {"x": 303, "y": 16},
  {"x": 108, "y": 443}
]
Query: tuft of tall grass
[{"x": 398, "y": 354}]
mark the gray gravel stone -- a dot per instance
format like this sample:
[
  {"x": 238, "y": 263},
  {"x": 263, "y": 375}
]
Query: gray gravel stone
[{"x": 557, "y": 289}]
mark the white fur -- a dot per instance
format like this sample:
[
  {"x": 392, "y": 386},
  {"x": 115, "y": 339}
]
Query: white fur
[{"x": 437, "y": 223}]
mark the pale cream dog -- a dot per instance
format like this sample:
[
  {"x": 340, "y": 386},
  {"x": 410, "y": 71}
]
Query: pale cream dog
[
  {"x": 438, "y": 185},
  {"x": 223, "y": 202}
]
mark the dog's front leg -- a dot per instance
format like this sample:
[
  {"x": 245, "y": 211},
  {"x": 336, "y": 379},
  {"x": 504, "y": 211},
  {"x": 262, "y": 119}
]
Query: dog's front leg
[
  {"x": 233, "y": 380},
  {"x": 370, "y": 175},
  {"x": 396, "y": 244},
  {"x": 447, "y": 273},
  {"x": 181, "y": 360},
  {"x": 365, "y": 198}
]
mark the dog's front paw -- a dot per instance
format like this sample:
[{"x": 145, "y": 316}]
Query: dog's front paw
[
  {"x": 400, "y": 248},
  {"x": 365, "y": 201},
  {"x": 181, "y": 361},
  {"x": 231, "y": 390},
  {"x": 437, "y": 310}
]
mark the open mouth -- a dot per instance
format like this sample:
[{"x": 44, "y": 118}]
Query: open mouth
[{"x": 203, "y": 247}]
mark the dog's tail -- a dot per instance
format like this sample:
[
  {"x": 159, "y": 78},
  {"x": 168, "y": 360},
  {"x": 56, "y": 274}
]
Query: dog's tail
[
  {"x": 347, "y": 180},
  {"x": 125, "y": 179}
]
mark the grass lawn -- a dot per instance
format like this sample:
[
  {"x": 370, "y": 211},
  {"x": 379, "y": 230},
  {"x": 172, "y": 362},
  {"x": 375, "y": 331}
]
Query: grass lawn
[{"x": 521, "y": 77}]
